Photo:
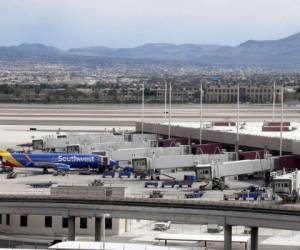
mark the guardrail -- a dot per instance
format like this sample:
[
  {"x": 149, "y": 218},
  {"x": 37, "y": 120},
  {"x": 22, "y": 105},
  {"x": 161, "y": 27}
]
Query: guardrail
[
  {"x": 144, "y": 196},
  {"x": 237, "y": 206}
]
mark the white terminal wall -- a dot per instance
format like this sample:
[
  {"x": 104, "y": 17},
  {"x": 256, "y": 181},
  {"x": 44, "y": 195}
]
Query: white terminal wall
[
  {"x": 251, "y": 135},
  {"x": 36, "y": 226},
  {"x": 36, "y": 223},
  {"x": 296, "y": 147}
]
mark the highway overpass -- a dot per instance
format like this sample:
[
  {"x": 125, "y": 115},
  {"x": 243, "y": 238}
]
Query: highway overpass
[{"x": 254, "y": 215}]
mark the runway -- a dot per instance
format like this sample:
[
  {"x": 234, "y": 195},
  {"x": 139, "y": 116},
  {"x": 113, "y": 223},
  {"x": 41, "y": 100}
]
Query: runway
[{"x": 127, "y": 114}]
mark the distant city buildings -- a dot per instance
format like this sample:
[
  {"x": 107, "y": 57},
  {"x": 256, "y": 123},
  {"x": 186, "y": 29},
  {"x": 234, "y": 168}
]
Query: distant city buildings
[
  {"x": 63, "y": 83},
  {"x": 250, "y": 93},
  {"x": 133, "y": 94}
]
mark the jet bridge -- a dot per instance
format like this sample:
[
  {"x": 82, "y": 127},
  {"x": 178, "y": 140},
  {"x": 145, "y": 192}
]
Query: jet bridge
[
  {"x": 126, "y": 154},
  {"x": 146, "y": 164},
  {"x": 233, "y": 168},
  {"x": 88, "y": 143}
]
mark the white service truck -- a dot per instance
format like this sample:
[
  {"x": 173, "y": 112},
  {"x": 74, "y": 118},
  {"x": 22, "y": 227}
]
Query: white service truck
[{"x": 287, "y": 186}]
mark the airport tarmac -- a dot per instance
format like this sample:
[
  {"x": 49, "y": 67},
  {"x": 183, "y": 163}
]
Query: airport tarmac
[
  {"x": 52, "y": 119},
  {"x": 142, "y": 231},
  {"x": 16, "y": 121},
  {"x": 134, "y": 187},
  {"x": 127, "y": 114}
]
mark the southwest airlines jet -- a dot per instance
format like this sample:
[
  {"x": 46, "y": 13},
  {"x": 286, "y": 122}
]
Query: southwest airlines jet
[{"x": 57, "y": 161}]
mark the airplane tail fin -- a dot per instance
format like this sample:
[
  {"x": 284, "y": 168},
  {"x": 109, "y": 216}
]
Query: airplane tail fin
[{"x": 3, "y": 152}]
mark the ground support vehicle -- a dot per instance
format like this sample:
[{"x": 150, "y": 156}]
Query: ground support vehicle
[
  {"x": 251, "y": 193},
  {"x": 59, "y": 172},
  {"x": 156, "y": 194},
  {"x": 287, "y": 186},
  {"x": 108, "y": 174},
  {"x": 214, "y": 228},
  {"x": 151, "y": 184},
  {"x": 194, "y": 195},
  {"x": 218, "y": 184},
  {"x": 173, "y": 183},
  {"x": 162, "y": 225},
  {"x": 42, "y": 184},
  {"x": 124, "y": 173},
  {"x": 85, "y": 172},
  {"x": 96, "y": 183}
]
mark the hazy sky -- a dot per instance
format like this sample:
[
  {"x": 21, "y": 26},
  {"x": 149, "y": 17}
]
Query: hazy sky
[{"x": 127, "y": 23}]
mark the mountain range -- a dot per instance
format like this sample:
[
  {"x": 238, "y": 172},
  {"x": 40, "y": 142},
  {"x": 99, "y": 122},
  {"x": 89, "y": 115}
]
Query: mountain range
[{"x": 285, "y": 51}]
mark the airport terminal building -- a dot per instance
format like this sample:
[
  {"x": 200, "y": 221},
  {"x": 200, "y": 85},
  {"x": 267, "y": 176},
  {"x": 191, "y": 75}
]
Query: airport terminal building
[{"x": 56, "y": 227}]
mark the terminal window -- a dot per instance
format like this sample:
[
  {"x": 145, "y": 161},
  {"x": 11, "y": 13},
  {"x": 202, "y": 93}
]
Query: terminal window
[
  {"x": 83, "y": 223},
  {"x": 23, "y": 220},
  {"x": 7, "y": 219},
  {"x": 65, "y": 222},
  {"x": 48, "y": 221},
  {"x": 108, "y": 223}
]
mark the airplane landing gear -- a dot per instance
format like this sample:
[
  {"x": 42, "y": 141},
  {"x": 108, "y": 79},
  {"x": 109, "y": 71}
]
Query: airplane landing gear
[
  {"x": 11, "y": 175},
  {"x": 59, "y": 172},
  {"x": 45, "y": 170}
]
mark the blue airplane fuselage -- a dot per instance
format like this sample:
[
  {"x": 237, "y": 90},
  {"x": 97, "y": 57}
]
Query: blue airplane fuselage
[{"x": 76, "y": 161}]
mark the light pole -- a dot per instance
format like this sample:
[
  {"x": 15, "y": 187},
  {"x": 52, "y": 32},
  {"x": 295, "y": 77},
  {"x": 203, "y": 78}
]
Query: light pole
[
  {"x": 143, "y": 108},
  {"x": 274, "y": 100},
  {"x": 200, "y": 125},
  {"x": 237, "y": 121},
  {"x": 166, "y": 89},
  {"x": 281, "y": 121},
  {"x": 170, "y": 108}
]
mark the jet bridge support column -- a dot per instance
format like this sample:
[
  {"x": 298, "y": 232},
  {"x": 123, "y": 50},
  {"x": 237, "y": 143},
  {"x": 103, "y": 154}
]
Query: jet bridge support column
[
  {"x": 227, "y": 237},
  {"x": 254, "y": 238},
  {"x": 71, "y": 228}
]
